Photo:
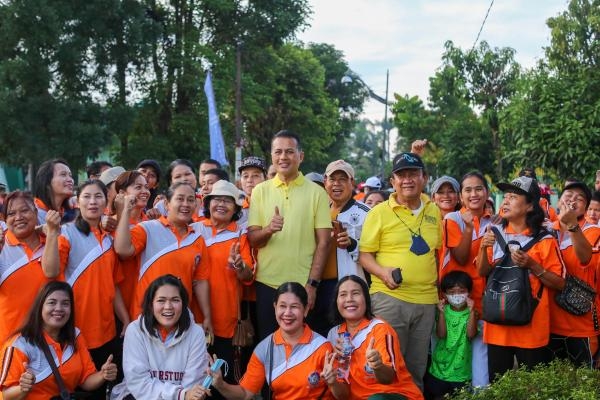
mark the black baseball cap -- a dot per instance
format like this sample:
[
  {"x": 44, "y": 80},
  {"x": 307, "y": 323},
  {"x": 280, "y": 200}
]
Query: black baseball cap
[{"x": 407, "y": 161}]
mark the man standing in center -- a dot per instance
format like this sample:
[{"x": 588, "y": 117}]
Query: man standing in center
[
  {"x": 398, "y": 246},
  {"x": 290, "y": 226}
]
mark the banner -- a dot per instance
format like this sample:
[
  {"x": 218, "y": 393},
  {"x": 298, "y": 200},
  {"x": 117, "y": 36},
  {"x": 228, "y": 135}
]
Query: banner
[{"x": 217, "y": 146}]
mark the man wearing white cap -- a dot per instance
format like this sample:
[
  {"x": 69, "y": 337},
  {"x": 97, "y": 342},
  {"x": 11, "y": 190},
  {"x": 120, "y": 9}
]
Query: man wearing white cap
[{"x": 347, "y": 217}]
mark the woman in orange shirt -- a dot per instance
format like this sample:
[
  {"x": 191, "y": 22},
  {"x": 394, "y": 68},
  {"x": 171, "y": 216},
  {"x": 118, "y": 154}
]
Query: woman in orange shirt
[
  {"x": 26, "y": 372},
  {"x": 53, "y": 189},
  {"x": 168, "y": 245},
  {"x": 132, "y": 183},
  {"x": 295, "y": 361},
  {"x": 376, "y": 363},
  {"x": 228, "y": 263},
  {"x": 89, "y": 264},
  {"x": 522, "y": 219},
  {"x": 21, "y": 273}
]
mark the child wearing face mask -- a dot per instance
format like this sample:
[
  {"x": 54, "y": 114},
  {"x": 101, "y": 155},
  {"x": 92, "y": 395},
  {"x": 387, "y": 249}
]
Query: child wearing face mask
[{"x": 456, "y": 325}]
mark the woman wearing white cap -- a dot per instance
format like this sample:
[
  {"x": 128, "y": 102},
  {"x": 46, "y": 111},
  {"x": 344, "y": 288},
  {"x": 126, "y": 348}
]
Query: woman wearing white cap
[
  {"x": 227, "y": 266},
  {"x": 445, "y": 194}
]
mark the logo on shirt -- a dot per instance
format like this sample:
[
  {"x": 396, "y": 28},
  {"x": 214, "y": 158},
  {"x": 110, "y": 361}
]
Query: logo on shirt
[
  {"x": 354, "y": 219},
  {"x": 430, "y": 219},
  {"x": 313, "y": 379}
]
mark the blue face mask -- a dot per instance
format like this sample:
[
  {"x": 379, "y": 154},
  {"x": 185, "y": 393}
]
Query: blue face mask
[{"x": 419, "y": 246}]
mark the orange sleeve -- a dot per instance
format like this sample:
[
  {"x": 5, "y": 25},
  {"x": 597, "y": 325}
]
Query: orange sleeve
[
  {"x": 202, "y": 272},
  {"x": 452, "y": 233},
  {"x": 138, "y": 238},
  {"x": 87, "y": 365},
  {"x": 118, "y": 275},
  {"x": 64, "y": 247},
  {"x": 12, "y": 367},
  {"x": 254, "y": 378}
]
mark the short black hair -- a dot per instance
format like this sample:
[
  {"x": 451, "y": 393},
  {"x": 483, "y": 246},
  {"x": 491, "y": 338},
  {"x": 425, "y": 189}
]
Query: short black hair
[
  {"x": 285, "y": 133},
  {"x": 456, "y": 278},
  {"x": 149, "y": 321},
  {"x": 95, "y": 167},
  {"x": 220, "y": 173},
  {"x": 211, "y": 161},
  {"x": 179, "y": 161},
  {"x": 596, "y": 196}
]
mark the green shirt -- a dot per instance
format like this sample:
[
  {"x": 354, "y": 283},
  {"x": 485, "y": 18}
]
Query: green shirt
[{"x": 451, "y": 359}]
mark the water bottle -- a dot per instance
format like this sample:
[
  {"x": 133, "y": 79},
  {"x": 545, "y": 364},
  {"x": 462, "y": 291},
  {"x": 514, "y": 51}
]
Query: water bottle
[{"x": 344, "y": 359}]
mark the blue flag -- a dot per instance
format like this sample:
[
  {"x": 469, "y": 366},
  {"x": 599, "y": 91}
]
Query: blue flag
[{"x": 217, "y": 146}]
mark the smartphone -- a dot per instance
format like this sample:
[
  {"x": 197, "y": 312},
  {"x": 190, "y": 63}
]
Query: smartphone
[
  {"x": 397, "y": 276},
  {"x": 337, "y": 227}
]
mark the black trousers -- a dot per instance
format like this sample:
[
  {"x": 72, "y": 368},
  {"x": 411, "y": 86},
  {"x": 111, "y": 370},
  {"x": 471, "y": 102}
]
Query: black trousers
[{"x": 502, "y": 358}]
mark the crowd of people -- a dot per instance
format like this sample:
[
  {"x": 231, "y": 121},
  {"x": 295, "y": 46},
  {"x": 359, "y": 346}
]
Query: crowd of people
[{"x": 341, "y": 290}]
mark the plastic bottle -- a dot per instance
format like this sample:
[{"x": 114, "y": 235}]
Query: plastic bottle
[{"x": 344, "y": 360}]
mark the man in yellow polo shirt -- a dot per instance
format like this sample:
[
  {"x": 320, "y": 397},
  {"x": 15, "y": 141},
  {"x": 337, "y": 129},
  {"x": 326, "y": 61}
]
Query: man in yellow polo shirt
[
  {"x": 290, "y": 226},
  {"x": 398, "y": 246}
]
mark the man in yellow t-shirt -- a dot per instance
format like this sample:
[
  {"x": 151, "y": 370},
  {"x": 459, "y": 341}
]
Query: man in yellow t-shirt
[
  {"x": 405, "y": 233},
  {"x": 289, "y": 224}
]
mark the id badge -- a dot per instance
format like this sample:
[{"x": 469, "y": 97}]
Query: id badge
[{"x": 419, "y": 246}]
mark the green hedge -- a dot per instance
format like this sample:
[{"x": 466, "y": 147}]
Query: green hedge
[{"x": 558, "y": 380}]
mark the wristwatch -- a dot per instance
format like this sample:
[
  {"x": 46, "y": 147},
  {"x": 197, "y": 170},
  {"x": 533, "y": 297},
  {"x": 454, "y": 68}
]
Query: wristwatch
[{"x": 313, "y": 282}]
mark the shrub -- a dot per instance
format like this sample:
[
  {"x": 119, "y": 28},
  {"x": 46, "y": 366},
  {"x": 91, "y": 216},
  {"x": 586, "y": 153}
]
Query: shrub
[{"x": 559, "y": 380}]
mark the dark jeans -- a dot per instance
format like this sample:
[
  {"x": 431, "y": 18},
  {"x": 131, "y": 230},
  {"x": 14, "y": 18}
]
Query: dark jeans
[
  {"x": 575, "y": 349},
  {"x": 267, "y": 324},
  {"x": 502, "y": 358},
  {"x": 319, "y": 318}
]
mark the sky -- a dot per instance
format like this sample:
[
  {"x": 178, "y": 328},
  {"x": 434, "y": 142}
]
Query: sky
[{"x": 407, "y": 36}]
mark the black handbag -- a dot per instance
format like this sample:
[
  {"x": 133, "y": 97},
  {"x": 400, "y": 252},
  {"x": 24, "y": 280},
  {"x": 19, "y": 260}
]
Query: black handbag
[{"x": 577, "y": 297}]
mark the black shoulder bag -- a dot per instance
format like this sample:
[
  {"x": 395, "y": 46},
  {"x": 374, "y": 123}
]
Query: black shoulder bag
[{"x": 64, "y": 393}]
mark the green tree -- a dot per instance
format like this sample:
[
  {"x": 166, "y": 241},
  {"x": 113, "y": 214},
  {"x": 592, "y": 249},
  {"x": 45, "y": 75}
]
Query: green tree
[
  {"x": 553, "y": 121},
  {"x": 483, "y": 77},
  {"x": 362, "y": 147}
]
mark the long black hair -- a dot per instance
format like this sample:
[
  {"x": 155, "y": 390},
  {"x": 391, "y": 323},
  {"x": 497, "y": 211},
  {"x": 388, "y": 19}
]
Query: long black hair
[
  {"x": 149, "y": 321},
  {"x": 42, "y": 184},
  {"x": 33, "y": 328},
  {"x": 336, "y": 317}
]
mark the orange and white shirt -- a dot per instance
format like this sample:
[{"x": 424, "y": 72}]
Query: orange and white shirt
[
  {"x": 561, "y": 321},
  {"x": 89, "y": 264},
  {"x": 454, "y": 226},
  {"x": 362, "y": 378},
  {"x": 73, "y": 362},
  {"x": 296, "y": 371},
  {"x": 163, "y": 251},
  {"x": 221, "y": 278},
  {"x": 131, "y": 270},
  {"x": 21, "y": 277},
  {"x": 537, "y": 332}
]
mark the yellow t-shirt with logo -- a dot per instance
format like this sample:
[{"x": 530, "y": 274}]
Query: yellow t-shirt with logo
[{"x": 387, "y": 233}]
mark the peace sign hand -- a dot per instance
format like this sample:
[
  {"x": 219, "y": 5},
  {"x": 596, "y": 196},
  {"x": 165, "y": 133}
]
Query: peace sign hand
[
  {"x": 329, "y": 373},
  {"x": 235, "y": 258}
]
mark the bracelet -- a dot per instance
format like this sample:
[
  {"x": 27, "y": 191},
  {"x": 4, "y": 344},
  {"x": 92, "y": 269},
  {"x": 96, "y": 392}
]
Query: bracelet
[
  {"x": 541, "y": 273},
  {"x": 573, "y": 228}
]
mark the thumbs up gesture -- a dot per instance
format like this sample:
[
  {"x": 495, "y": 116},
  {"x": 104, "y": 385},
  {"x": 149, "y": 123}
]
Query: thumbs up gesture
[
  {"x": 276, "y": 224},
  {"x": 27, "y": 379},
  {"x": 489, "y": 238},
  {"x": 373, "y": 356},
  {"x": 109, "y": 369}
]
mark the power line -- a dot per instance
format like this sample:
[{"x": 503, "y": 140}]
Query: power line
[{"x": 482, "y": 24}]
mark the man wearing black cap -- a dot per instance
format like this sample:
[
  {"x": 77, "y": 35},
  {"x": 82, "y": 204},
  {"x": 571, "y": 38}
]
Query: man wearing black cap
[
  {"x": 398, "y": 248},
  {"x": 253, "y": 170}
]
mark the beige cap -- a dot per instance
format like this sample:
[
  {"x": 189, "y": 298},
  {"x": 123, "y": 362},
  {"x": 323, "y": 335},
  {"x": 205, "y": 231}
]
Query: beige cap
[
  {"x": 224, "y": 188},
  {"x": 340, "y": 165},
  {"x": 110, "y": 175}
]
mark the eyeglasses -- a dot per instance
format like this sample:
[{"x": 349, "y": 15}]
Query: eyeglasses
[{"x": 223, "y": 200}]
